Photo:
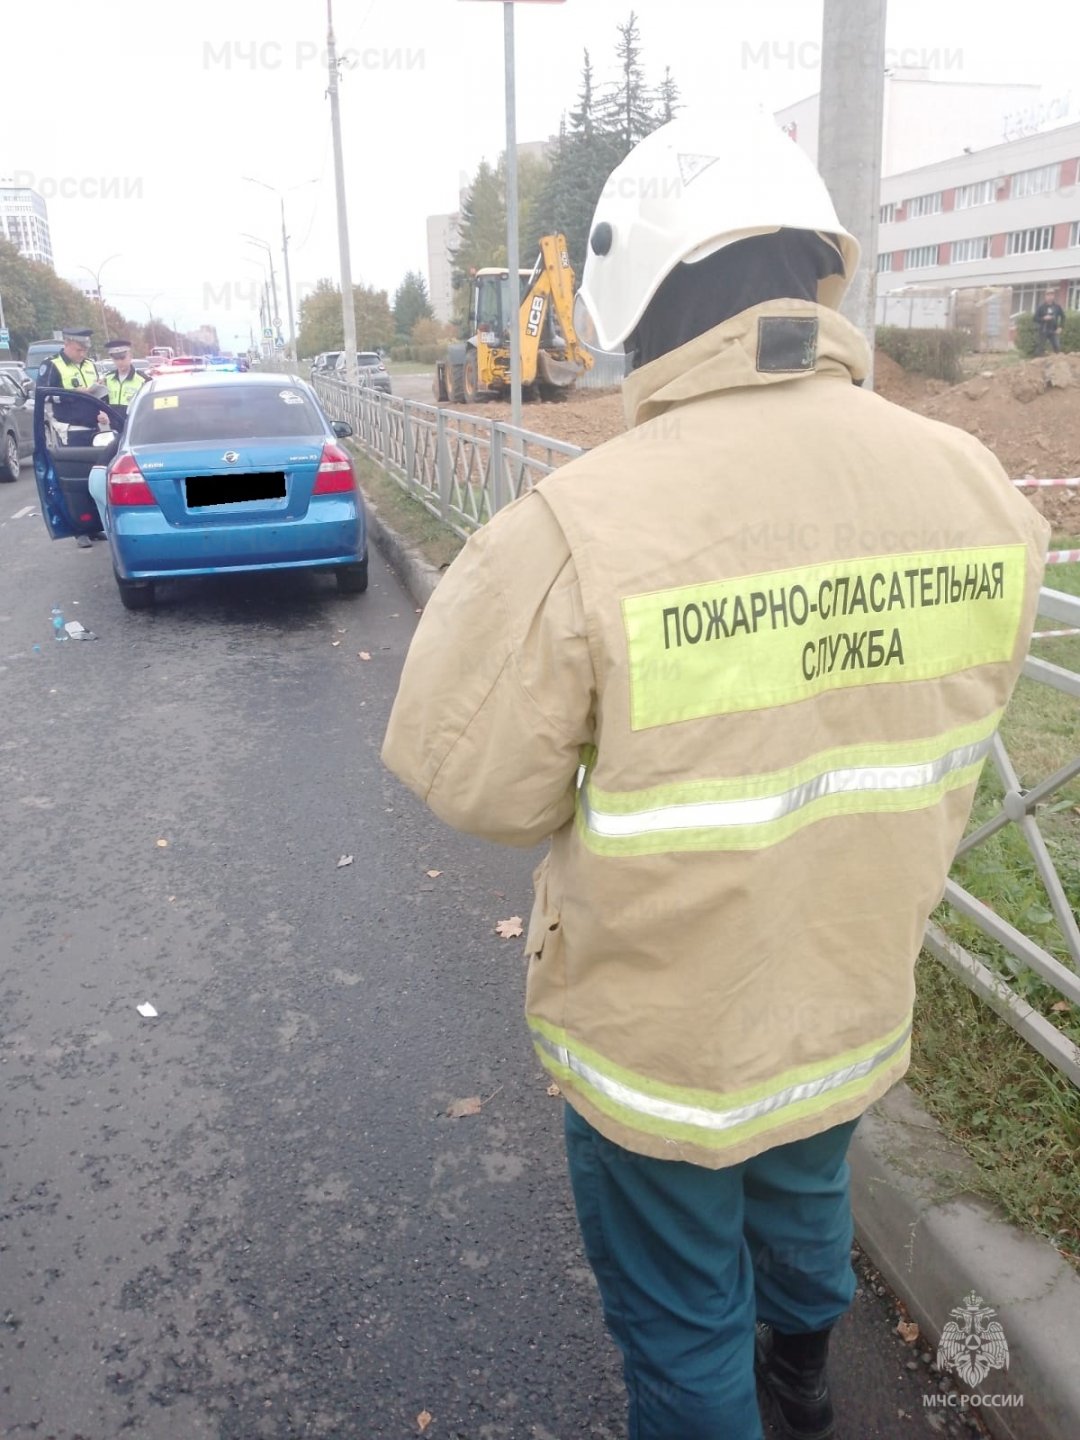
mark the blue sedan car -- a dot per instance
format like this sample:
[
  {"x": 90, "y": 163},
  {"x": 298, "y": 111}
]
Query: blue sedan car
[{"x": 212, "y": 474}]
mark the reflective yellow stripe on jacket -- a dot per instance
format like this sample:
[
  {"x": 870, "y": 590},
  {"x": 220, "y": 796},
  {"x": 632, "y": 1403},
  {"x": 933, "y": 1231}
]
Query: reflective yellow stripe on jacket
[
  {"x": 754, "y": 811},
  {"x": 708, "y": 1119},
  {"x": 75, "y": 377}
]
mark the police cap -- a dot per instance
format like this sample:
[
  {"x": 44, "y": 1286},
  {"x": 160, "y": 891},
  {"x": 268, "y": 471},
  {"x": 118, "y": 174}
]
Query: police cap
[
  {"x": 83, "y": 335},
  {"x": 117, "y": 347}
]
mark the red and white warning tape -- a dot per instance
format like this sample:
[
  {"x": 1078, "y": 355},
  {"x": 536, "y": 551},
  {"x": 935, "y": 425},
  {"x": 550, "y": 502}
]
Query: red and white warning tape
[
  {"x": 1062, "y": 557},
  {"x": 1052, "y": 634},
  {"x": 1028, "y": 482}
]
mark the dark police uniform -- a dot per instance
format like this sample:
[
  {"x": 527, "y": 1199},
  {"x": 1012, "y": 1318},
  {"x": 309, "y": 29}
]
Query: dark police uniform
[{"x": 60, "y": 371}]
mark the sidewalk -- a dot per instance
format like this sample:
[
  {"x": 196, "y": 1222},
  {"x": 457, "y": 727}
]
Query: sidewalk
[{"x": 933, "y": 1243}]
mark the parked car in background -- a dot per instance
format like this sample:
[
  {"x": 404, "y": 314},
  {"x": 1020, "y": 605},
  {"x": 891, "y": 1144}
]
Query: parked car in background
[
  {"x": 15, "y": 368},
  {"x": 16, "y": 426},
  {"x": 372, "y": 371},
  {"x": 324, "y": 363},
  {"x": 179, "y": 365}
]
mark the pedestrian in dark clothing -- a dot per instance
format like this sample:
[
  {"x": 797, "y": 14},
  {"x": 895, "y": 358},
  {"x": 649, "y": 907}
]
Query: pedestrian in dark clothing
[{"x": 1049, "y": 321}]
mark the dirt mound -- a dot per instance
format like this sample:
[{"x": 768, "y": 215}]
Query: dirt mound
[{"x": 1027, "y": 413}]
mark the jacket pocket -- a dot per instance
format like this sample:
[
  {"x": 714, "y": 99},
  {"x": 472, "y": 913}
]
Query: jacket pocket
[{"x": 545, "y": 922}]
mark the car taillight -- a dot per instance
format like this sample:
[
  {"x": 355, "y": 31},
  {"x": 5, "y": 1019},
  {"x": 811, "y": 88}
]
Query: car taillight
[
  {"x": 335, "y": 475},
  {"x": 126, "y": 484}
]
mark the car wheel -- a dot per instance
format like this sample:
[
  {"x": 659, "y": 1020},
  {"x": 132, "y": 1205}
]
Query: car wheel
[
  {"x": 9, "y": 469},
  {"x": 352, "y": 579},
  {"x": 135, "y": 594}
]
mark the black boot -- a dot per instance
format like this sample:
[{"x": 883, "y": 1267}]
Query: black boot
[{"x": 792, "y": 1370}]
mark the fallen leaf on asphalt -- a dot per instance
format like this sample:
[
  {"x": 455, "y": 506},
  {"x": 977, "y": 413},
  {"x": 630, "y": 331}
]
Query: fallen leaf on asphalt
[
  {"x": 908, "y": 1331},
  {"x": 1060, "y": 1006},
  {"x": 335, "y": 642},
  {"x": 510, "y": 929},
  {"x": 171, "y": 899},
  {"x": 363, "y": 655},
  {"x": 457, "y": 1108},
  {"x": 553, "y": 1089},
  {"x": 345, "y": 860},
  {"x": 433, "y": 874},
  {"x": 424, "y": 1420}
]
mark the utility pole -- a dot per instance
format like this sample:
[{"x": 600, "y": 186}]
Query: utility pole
[
  {"x": 348, "y": 311},
  {"x": 514, "y": 281},
  {"x": 849, "y": 140},
  {"x": 288, "y": 284}
]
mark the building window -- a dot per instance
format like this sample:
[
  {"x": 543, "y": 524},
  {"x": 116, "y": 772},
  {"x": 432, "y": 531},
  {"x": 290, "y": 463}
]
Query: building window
[
  {"x": 1027, "y": 298},
  {"x": 1035, "y": 182},
  {"x": 887, "y": 213},
  {"x": 920, "y": 257},
  {"x": 924, "y": 205},
  {"x": 974, "y": 249},
  {"x": 1074, "y": 234},
  {"x": 1023, "y": 242},
  {"x": 884, "y": 262},
  {"x": 981, "y": 193},
  {"x": 1073, "y": 300}
]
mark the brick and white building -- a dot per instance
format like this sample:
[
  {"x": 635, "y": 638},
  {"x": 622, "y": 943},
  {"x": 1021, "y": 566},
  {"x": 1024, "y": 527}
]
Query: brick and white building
[{"x": 1005, "y": 215}]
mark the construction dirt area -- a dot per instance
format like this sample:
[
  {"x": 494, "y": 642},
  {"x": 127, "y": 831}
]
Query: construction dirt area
[{"x": 1027, "y": 413}]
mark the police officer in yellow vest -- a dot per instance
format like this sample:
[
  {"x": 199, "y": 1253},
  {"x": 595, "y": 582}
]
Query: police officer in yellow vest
[
  {"x": 73, "y": 370},
  {"x": 743, "y": 666},
  {"x": 124, "y": 383}
]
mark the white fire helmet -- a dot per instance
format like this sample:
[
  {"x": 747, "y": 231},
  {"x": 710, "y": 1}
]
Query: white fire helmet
[{"x": 698, "y": 183}]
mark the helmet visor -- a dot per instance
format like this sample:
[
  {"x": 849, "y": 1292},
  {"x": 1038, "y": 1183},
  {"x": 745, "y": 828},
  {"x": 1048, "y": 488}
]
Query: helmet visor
[{"x": 587, "y": 334}]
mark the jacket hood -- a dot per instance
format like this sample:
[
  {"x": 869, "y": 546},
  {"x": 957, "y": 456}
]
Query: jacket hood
[{"x": 797, "y": 339}]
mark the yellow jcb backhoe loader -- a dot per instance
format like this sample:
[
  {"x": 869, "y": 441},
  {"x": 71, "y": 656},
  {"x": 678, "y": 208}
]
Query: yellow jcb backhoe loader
[{"x": 552, "y": 358}]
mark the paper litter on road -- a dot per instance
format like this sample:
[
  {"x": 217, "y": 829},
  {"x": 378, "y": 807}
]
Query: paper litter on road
[
  {"x": 78, "y": 631},
  {"x": 146, "y": 1010},
  {"x": 345, "y": 860},
  {"x": 23, "y": 513}
]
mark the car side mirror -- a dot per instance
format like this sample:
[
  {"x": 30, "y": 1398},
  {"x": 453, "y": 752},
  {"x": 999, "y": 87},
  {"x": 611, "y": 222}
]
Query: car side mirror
[
  {"x": 28, "y": 388},
  {"x": 341, "y": 428}
]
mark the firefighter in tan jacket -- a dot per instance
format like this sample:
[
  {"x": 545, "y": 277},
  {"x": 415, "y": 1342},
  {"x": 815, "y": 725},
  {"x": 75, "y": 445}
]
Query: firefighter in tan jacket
[{"x": 743, "y": 666}]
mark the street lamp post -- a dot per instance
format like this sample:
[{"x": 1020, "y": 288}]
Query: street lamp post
[
  {"x": 270, "y": 261},
  {"x": 285, "y": 252},
  {"x": 348, "y": 307},
  {"x": 97, "y": 288}
]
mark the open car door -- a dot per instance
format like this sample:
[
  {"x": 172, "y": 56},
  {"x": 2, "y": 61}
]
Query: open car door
[{"x": 65, "y": 453}]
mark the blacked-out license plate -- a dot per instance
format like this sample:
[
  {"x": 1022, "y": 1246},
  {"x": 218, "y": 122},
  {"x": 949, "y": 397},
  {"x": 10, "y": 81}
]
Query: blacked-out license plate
[{"x": 204, "y": 490}]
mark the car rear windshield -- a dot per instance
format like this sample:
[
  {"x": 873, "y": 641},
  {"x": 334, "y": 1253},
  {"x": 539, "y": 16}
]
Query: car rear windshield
[
  {"x": 220, "y": 412},
  {"x": 367, "y": 359}
]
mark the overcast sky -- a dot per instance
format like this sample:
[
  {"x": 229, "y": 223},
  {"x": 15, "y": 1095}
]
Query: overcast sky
[{"x": 173, "y": 102}]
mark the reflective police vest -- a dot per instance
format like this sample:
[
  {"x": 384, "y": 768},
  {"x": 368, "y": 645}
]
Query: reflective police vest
[
  {"x": 121, "y": 392},
  {"x": 75, "y": 377}
]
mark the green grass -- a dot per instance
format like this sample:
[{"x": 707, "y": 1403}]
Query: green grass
[
  {"x": 412, "y": 521},
  {"x": 1016, "y": 1115}
]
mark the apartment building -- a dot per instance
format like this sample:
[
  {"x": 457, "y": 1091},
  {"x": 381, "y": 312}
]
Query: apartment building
[
  {"x": 24, "y": 221},
  {"x": 1005, "y": 215}
]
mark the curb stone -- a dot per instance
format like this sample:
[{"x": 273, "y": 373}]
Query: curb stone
[
  {"x": 934, "y": 1245},
  {"x": 418, "y": 575},
  {"x": 931, "y": 1241}
]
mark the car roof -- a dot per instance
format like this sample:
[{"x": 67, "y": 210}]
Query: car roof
[{"x": 202, "y": 379}]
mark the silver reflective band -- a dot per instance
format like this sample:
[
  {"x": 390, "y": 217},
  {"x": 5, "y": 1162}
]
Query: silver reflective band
[
  {"x": 678, "y": 1114},
  {"x": 715, "y": 814}
]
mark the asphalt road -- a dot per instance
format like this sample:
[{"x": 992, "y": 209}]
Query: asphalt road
[{"x": 250, "y": 1216}]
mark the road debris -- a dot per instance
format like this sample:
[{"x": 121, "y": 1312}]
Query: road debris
[
  {"x": 472, "y": 1105},
  {"x": 162, "y": 844},
  {"x": 433, "y": 874},
  {"x": 78, "y": 631},
  {"x": 345, "y": 860},
  {"x": 423, "y": 1420},
  {"x": 146, "y": 1010},
  {"x": 363, "y": 655},
  {"x": 510, "y": 929}
]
